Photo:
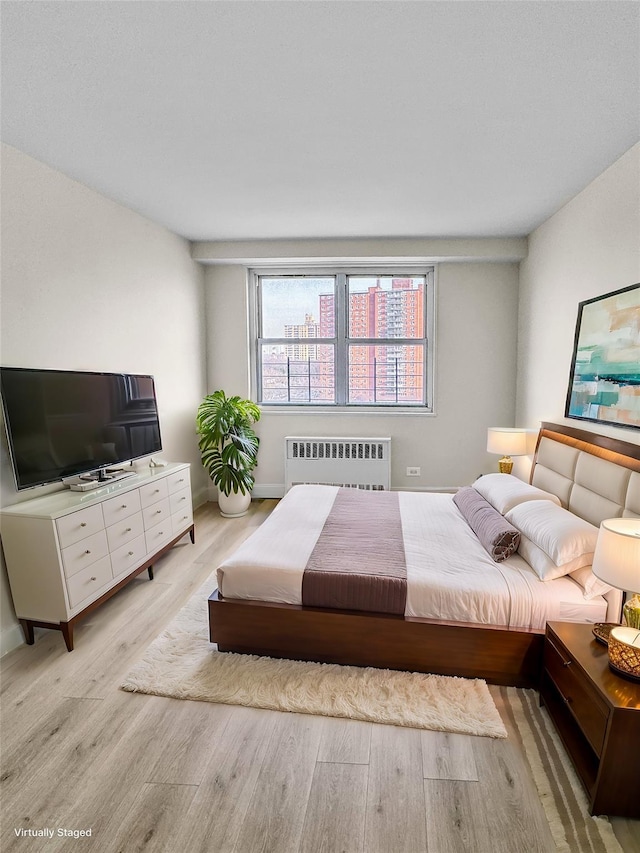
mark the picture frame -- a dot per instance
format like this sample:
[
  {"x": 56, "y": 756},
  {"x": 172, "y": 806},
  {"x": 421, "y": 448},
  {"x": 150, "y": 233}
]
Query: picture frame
[{"x": 604, "y": 382}]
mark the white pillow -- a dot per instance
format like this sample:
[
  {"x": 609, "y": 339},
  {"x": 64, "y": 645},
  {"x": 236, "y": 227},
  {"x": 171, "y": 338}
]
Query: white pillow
[
  {"x": 504, "y": 491},
  {"x": 544, "y": 566},
  {"x": 568, "y": 542},
  {"x": 592, "y": 586}
]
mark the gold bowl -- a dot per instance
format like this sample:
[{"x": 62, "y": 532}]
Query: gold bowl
[{"x": 624, "y": 651}]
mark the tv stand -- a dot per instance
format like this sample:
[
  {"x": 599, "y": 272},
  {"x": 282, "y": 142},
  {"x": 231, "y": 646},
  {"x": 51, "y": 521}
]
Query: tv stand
[
  {"x": 96, "y": 479},
  {"x": 68, "y": 552}
]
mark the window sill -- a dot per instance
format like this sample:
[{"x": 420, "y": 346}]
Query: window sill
[{"x": 354, "y": 411}]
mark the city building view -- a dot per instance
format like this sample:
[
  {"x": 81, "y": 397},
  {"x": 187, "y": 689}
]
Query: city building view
[{"x": 302, "y": 361}]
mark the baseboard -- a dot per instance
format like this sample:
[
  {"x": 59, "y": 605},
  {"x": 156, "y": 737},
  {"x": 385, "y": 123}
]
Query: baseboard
[
  {"x": 276, "y": 490},
  {"x": 10, "y": 639},
  {"x": 268, "y": 490}
]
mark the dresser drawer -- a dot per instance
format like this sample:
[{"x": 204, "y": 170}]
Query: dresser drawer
[
  {"x": 153, "y": 492},
  {"x": 178, "y": 481},
  {"x": 121, "y": 507},
  {"x": 124, "y": 560},
  {"x": 159, "y": 535},
  {"x": 181, "y": 520},
  {"x": 87, "y": 584},
  {"x": 124, "y": 531},
  {"x": 77, "y": 557},
  {"x": 156, "y": 513},
  {"x": 575, "y": 692},
  {"x": 180, "y": 500},
  {"x": 78, "y": 525}
]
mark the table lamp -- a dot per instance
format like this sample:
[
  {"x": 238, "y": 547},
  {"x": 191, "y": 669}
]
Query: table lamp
[
  {"x": 507, "y": 442},
  {"x": 616, "y": 561}
]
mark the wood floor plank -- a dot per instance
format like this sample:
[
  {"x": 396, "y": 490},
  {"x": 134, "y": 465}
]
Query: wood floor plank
[
  {"x": 345, "y": 741},
  {"x": 275, "y": 818},
  {"x": 505, "y": 782},
  {"x": 54, "y": 766},
  {"x": 448, "y": 756},
  {"x": 109, "y": 785},
  {"x": 334, "y": 821},
  {"x": 215, "y": 818},
  {"x": 395, "y": 817},
  {"x": 150, "y": 823},
  {"x": 185, "y": 757}
]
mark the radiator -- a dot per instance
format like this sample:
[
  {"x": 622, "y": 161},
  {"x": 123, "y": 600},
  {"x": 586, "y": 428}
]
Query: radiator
[{"x": 356, "y": 463}]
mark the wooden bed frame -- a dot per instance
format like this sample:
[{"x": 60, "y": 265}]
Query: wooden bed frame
[{"x": 497, "y": 654}]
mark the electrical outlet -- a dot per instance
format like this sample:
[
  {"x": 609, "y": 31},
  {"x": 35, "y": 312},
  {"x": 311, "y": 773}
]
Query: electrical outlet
[{"x": 413, "y": 472}]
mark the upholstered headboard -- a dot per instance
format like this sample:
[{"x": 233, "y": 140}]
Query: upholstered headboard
[{"x": 594, "y": 476}]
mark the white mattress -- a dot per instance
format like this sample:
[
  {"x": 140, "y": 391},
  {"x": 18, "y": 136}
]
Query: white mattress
[{"x": 450, "y": 576}]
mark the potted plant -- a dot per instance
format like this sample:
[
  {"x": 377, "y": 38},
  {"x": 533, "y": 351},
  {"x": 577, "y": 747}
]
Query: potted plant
[{"x": 229, "y": 448}]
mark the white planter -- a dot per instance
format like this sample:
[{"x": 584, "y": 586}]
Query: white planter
[{"x": 234, "y": 505}]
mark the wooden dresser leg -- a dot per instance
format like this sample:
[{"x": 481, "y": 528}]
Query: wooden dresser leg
[
  {"x": 27, "y": 628},
  {"x": 67, "y": 633},
  {"x": 150, "y": 571},
  {"x": 192, "y": 535}
]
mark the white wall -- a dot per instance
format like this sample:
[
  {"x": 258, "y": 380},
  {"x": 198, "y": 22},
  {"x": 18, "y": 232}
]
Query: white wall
[
  {"x": 589, "y": 247},
  {"x": 475, "y": 378},
  {"x": 90, "y": 285}
]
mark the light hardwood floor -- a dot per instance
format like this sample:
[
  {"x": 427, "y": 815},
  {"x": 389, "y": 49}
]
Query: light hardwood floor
[{"x": 146, "y": 773}]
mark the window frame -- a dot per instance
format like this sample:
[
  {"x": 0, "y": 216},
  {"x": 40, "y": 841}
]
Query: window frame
[{"x": 342, "y": 342}]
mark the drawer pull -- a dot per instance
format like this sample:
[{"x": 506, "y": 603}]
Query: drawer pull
[
  {"x": 131, "y": 553},
  {"x": 156, "y": 491},
  {"x": 161, "y": 533},
  {"x": 158, "y": 512},
  {"x": 124, "y": 506},
  {"x": 566, "y": 663},
  {"x": 94, "y": 578},
  {"x": 183, "y": 498},
  {"x": 87, "y": 551},
  {"x": 127, "y": 530},
  {"x": 83, "y": 524}
]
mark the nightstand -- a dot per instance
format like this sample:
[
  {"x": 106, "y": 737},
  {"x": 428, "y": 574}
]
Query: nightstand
[{"x": 597, "y": 715}]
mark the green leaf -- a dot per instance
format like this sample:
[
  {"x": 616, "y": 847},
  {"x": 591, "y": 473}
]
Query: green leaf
[{"x": 227, "y": 441}]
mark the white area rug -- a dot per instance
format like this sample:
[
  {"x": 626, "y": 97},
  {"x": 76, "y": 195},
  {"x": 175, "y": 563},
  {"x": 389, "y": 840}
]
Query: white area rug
[{"x": 183, "y": 664}]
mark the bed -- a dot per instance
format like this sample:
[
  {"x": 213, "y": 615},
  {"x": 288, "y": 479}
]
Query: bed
[{"x": 465, "y": 609}]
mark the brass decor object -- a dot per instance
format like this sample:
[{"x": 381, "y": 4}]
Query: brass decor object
[
  {"x": 631, "y": 611},
  {"x": 506, "y": 441},
  {"x": 624, "y": 652},
  {"x": 505, "y": 465}
]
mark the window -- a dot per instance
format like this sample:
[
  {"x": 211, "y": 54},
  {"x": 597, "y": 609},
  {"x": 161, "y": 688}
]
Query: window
[{"x": 344, "y": 338}]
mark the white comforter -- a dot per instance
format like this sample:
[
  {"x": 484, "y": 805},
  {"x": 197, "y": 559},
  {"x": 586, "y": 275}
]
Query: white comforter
[{"x": 450, "y": 576}]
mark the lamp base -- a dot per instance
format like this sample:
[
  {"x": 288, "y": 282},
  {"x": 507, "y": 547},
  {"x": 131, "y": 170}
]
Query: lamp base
[
  {"x": 505, "y": 465},
  {"x": 631, "y": 611}
]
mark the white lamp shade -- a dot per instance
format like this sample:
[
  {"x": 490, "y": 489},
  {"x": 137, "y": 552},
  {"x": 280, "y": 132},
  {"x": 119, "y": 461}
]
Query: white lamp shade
[
  {"x": 507, "y": 442},
  {"x": 617, "y": 556}
]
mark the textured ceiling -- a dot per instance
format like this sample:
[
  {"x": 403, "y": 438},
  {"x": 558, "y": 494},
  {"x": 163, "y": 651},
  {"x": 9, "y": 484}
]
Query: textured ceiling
[{"x": 247, "y": 120}]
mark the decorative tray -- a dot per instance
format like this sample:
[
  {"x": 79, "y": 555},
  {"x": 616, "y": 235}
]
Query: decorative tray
[{"x": 601, "y": 631}]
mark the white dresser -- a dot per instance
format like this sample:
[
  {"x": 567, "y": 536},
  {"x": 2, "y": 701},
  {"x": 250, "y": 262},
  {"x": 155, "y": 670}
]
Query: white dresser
[{"x": 67, "y": 552}]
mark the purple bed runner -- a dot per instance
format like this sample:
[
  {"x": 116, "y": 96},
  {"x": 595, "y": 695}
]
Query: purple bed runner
[{"x": 358, "y": 562}]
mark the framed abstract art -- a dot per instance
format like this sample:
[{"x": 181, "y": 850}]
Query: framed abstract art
[{"x": 604, "y": 384}]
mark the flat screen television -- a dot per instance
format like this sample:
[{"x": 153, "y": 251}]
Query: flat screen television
[{"x": 62, "y": 423}]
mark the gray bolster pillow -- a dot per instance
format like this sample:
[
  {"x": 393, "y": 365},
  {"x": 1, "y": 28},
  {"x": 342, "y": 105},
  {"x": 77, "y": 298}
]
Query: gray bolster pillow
[{"x": 499, "y": 538}]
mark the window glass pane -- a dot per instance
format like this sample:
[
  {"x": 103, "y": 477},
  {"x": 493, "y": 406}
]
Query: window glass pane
[
  {"x": 298, "y": 307},
  {"x": 297, "y": 373},
  {"x": 386, "y": 306},
  {"x": 386, "y": 374}
]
